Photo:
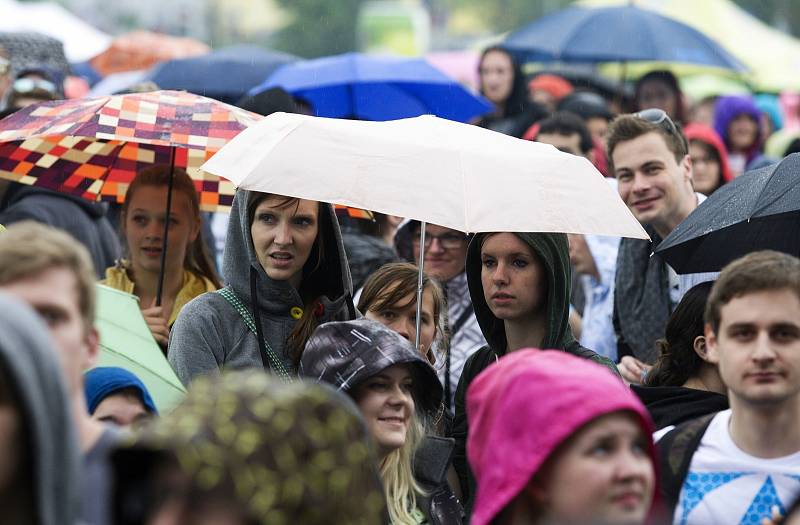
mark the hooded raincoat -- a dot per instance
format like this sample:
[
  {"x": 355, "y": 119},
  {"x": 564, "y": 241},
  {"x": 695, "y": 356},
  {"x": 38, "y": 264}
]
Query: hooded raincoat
[
  {"x": 50, "y": 442},
  {"x": 211, "y": 334},
  {"x": 726, "y": 110},
  {"x": 278, "y": 452},
  {"x": 511, "y": 437},
  {"x": 708, "y": 136},
  {"x": 553, "y": 252}
]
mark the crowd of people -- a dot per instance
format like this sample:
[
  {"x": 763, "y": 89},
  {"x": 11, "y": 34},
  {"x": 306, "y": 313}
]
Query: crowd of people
[{"x": 550, "y": 379}]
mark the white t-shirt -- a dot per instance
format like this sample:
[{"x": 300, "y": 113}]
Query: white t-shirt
[{"x": 727, "y": 486}]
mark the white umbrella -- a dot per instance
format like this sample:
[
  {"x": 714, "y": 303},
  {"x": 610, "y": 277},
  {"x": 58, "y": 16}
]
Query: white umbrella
[
  {"x": 426, "y": 168},
  {"x": 429, "y": 169}
]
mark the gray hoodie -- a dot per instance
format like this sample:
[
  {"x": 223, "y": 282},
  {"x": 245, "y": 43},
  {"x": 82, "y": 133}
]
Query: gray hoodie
[
  {"x": 31, "y": 368},
  {"x": 209, "y": 334}
]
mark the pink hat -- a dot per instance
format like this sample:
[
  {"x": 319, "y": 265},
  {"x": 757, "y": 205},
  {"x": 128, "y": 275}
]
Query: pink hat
[
  {"x": 523, "y": 407},
  {"x": 558, "y": 87}
]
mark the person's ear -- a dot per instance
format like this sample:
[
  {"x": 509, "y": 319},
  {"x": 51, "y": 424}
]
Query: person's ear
[
  {"x": 686, "y": 168},
  {"x": 591, "y": 156},
  {"x": 711, "y": 346},
  {"x": 92, "y": 348},
  {"x": 700, "y": 347}
]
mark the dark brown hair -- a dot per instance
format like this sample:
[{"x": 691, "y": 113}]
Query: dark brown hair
[
  {"x": 196, "y": 259},
  {"x": 313, "y": 280},
  {"x": 677, "y": 360},
  {"x": 629, "y": 127},
  {"x": 765, "y": 270}
]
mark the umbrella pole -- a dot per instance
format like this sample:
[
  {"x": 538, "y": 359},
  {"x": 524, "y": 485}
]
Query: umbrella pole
[
  {"x": 421, "y": 268},
  {"x": 166, "y": 228}
]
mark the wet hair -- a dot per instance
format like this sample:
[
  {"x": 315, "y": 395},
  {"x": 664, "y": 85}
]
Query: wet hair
[
  {"x": 677, "y": 361},
  {"x": 196, "y": 258},
  {"x": 566, "y": 123},
  {"x": 28, "y": 249},
  {"x": 765, "y": 270},
  {"x": 313, "y": 280},
  {"x": 671, "y": 81},
  {"x": 392, "y": 283},
  {"x": 629, "y": 127},
  {"x": 517, "y": 100}
]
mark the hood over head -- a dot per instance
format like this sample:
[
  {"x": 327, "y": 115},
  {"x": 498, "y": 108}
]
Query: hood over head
[
  {"x": 727, "y": 108},
  {"x": 707, "y": 135},
  {"x": 510, "y": 438},
  {"x": 31, "y": 370},
  {"x": 104, "y": 381},
  {"x": 331, "y": 279},
  {"x": 347, "y": 353},
  {"x": 241, "y": 436},
  {"x": 552, "y": 250},
  {"x": 95, "y": 210}
]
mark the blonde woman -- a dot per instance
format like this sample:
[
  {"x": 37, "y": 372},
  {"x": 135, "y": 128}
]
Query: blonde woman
[{"x": 396, "y": 390}]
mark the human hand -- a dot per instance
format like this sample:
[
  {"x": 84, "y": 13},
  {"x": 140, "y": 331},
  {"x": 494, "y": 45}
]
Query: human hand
[
  {"x": 775, "y": 519},
  {"x": 157, "y": 323},
  {"x": 632, "y": 370}
]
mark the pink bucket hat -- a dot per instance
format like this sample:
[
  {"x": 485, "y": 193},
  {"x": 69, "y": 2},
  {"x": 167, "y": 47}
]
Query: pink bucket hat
[{"x": 523, "y": 407}]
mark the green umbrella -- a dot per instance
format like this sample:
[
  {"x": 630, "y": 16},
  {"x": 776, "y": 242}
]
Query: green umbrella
[{"x": 126, "y": 342}]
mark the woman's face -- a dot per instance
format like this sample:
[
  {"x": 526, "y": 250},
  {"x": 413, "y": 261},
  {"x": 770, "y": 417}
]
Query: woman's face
[
  {"x": 144, "y": 228},
  {"x": 512, "y": 277},
  {"x": 497, "y": 76},
  {"x": 657, "y": 94},
  {"x": 705, "y": 168},
  {"x": 602, "y": 474},
  {"x": 283, "y": 236},
  {"x": 402, "y": 318},
  {"x": 742, "y": 133},
  {"x": 387, "y": 405}
]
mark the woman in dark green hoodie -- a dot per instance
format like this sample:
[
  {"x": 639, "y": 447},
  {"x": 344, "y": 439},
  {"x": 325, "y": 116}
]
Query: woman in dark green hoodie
[{"x": 520, "y": 288}]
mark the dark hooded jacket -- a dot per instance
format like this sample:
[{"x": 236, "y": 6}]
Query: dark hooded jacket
[
  {"x": 672, "y": 405},
  {"x": 50, "y": 455},
  {"x": 85, "y": 221},
  {"x": 553, "y": 252},
  {"x": 210, "y": 334},
  {"x": 347, "y": 354}
]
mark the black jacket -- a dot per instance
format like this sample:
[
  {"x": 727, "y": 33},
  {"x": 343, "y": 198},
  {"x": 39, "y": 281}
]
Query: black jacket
[
  {"x": 672, "y": 405},
  {"x": 85, "y": 221}
]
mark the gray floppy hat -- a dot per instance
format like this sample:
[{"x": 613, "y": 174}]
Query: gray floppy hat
[{"x": 346, "y": 353}]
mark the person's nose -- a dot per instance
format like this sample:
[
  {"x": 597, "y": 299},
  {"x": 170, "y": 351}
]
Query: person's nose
[
  {"x": 404, "y": 327},
  {"x": 640, "y": 183},
  {"x": 398, "y": 396},
  {"x": 763, "y": 352},
  {"x": 500, "y": 274},
  {"x": 154, "y": 231},
  {"x": 633, "y": 466},
  {"x": 283, "y": 234},
  {"x": 435, "y": 246}
]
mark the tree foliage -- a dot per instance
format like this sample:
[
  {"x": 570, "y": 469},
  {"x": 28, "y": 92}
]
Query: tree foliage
[{"x": 318, "y": 27}]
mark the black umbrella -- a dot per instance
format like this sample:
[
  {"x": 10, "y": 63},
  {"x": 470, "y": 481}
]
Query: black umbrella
[{"x": 758, "y": 211}]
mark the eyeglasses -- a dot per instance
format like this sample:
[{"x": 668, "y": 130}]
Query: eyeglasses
[
  {"x": 660, "y": 118},
  {"x": 448, "y": 241},
  {"x": 26, "y": 85}
]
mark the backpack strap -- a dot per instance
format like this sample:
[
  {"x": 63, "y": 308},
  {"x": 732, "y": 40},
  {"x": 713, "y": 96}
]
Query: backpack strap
[
  {"x": 268, "y": 357},
  {"x": 675, "y": 451}
]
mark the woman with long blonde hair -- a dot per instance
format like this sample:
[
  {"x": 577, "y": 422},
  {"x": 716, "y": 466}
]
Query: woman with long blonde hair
[{"x": 396, "y": 390}]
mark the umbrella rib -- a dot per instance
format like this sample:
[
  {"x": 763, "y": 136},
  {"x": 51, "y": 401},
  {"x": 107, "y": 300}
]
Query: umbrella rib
[{"x": 139, "y": 364}]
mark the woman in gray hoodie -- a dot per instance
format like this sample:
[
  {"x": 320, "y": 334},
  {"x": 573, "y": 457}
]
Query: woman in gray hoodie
[{"x": 286, "y": 272}]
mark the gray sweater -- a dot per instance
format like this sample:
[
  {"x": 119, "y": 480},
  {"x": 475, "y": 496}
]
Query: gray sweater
[{"x": 210, "y": 335}]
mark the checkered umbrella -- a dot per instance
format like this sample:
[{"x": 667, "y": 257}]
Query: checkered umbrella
[{"x": 94, "y": 147}]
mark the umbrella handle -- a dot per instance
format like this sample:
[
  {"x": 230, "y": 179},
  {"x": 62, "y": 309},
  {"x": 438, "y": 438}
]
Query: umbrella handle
[
  {"x": 162, "y": 269},
  {"x": 421, "y": 267}
]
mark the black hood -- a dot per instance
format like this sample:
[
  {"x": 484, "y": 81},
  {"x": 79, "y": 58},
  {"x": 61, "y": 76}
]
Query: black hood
[
  {"x": 553, "y": 252},
  {"x": 95, "y": 210},
  {"x": 672, "y": 405}
]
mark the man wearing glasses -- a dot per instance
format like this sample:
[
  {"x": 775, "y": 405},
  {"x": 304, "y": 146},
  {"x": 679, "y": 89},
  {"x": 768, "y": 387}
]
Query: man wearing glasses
[
  {"x": 649, "y": 157},
  {"x": 445, "y": 260}
]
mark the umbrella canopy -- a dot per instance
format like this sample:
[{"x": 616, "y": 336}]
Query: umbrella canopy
[
  {"x": 94, "y": 147},
  {"x": 759, "y": 210},
  {"x": 429, "y": 169},
  {"x": 376, "y": 88},
  {"x": 143, "y": 49},
  {"x": 226, "y": 74},
  {"x": 126, "y": 342},
  {"x": 615, "y": 34}
]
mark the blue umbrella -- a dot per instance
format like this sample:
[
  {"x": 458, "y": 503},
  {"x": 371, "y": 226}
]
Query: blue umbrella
[
  {"x": 376, "y": 88},
  {"x": 615, "y": 34},
  {"x": 226, "y": 74}
]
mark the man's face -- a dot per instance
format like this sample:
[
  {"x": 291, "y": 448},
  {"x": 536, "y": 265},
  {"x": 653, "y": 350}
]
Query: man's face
[
  {"x": 654, "y": 186},
  {"x": 445, "y": 251},
  {"x": 566, "y": 143},
  {"x": 54, "y": 295},
  {"x": 757, "y": 347},
  {"x": 598, "y": 129}
]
